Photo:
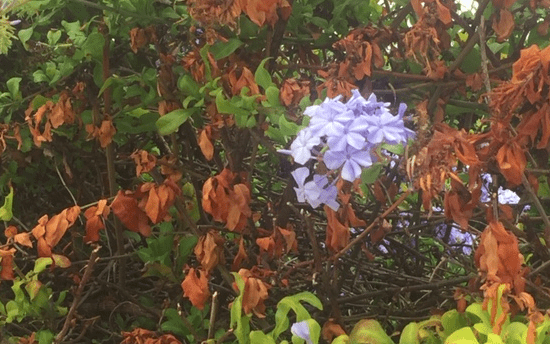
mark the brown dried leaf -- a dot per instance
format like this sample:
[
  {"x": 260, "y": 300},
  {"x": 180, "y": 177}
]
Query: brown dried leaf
[
  {"x": 196, "y": 287},
  {"x": 503, "y": 24},
  {"x": 127, "y": 210}
]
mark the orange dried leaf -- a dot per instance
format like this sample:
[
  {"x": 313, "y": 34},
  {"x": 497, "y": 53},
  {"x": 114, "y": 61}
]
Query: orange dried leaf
[
  {"x": 503, "y": 24},
  {"x": 58, "y": 225},
  {"x": 144, "y": 161},
  {"x": 195, "y": 287},
  {"x": 7, "y": 264},
  {"x": 240, "y": 256},
  {"x": 209, "y": 250},
  {"x": 127, "y": 210},
  {"x": 23, "y": 239},
  {"x": 205, "y": 143},
  {"x": 331, "y": 329},
  {"x": 255, "y": 293}
]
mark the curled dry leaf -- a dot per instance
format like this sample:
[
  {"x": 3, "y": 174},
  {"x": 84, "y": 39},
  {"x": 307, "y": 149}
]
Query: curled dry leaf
[
  {"x": 95, "y": 220},
  {"x": 245, "y": 79},
  {"x": 255, "y": 293},
  {"x": 292, "y": 91},
  {"x": 512, "y": 162},
  {"x": 7, "y": 264},
  {"x": 209, "y": 250},
  {"x": 266, "y": 11},
  {"x": 337, "y": 233},
  {"x": 240, "y": 256},
  {"x": 195, "y": 287},
  {"x": 499, "y": 259},
  {"x": 227, "y": 200},
  {"x": 331, "y": 329},
  {"x": 503, "y": 24},
  {"x": 143, "y": 336},
  {"x": 205, "y": 142},
  {"x": 48, "y": 232},
  {"x": 127, "y": 210},
  {"x": 144, "y": 161}
]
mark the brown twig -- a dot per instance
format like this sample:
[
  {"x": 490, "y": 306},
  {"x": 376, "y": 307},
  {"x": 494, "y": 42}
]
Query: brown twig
[
  {"x": 367, "y": 230},
  {"x": 78, "y": 294}
]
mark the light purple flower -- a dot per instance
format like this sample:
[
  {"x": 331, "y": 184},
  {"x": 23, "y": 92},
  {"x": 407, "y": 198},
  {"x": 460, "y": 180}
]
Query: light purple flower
[
  {"x": 352, "y": 159},
  {"x": 352, "y": 134},
  {"x": 316, "y": 192},
  {"x": 300, "y": 149},
  {"x": 301, "y": 329},
  {"x": 385, "y": 127}
]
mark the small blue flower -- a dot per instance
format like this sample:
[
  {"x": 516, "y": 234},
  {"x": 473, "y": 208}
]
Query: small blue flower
[
  {"x": 301, "y": 329},
  {"x": 301, "y": 147},
  {"x": 315, "y": 192},
  {"x": 352, "y": 159}
]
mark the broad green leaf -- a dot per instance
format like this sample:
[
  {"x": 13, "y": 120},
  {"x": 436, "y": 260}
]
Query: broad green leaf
[
  {"x": 53, "y": 36},
  {"x": 258, "y": 337},
  {"x": 224, "y": 49},
  {"x": 6, "y": 211},
  {"x": 475, "y": 309},
  {"x": 13, "y": 86},
  {"x": 33, "y": 287},
  {"x": 288, "y": 128},
  {"x": 371, "y": 174},
  {"x": 395, "y": 149},
  {"x": 25, "y": 34},
  {"x": 369, "y": 331},
  {"x": 189, "y": 86},
  {"x": 170, "y": 122},
  {"x": 272, "y": 95},
  {"x": 174, "y": 323},
  {"x": 341, "y": 339},
  {"x": 494, "y": 339},
  {"x": 94, "y": 45},
  {"x": 452, "y": 321},
  {"x": 262, "y": 76},
  {"x": 463, "y": 336},
  {"x": 41, "y": 264},
  {"x": 514, "y": 333},
  {"x": 409, "y": 335}
]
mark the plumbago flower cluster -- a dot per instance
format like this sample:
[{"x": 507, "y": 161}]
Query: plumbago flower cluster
[{"x": 344, "y": 136}]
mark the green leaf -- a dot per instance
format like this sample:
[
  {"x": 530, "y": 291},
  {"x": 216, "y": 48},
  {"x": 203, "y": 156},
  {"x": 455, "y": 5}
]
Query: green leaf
[
  {"x": 13, "y": 87},
  {"x": 242, "y": 330},
  {"x": 189, "y": 86},
  {"x": 395, "y": 149},
  {"x": 341, "y": 339},
  {"x": 174, "y": 323},
  {"x": 369, "y": 331},
  {"x": 6, "y": 211},
  {"x": 53, "y": 36},
  {"x": 25, "y": 34},
  {"x": 262, "y": 76},
  {"x": 452, "y": 321},
  {"x": 258, "y": 337},
  {"x": 463, "y": 336},
  {"x": 293, "y": 302},
  {"x": 272, "y": 95},
  {"x": 371, "y": 174},
  {"x": 33, "y": 287},
  {"x": 409, "y": 335},
  {"x": 224, "y": 49},
  {"x": 41, "y": 264},
  {"x": 94, "y": 45},
  {"x": 170, "y": 122}
]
